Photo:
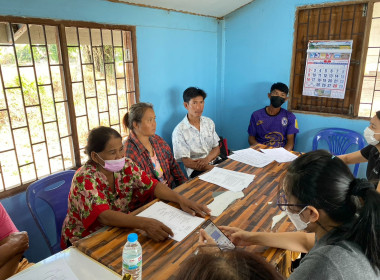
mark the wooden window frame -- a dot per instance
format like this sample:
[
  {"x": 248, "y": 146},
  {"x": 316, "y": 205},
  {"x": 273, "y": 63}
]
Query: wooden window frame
[
  {"x": 354, "y": 113},
  {"x": 67, "y": 83}
]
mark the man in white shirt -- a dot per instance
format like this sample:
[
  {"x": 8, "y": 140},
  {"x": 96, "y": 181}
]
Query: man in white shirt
[{"x": 195, "y": 141}]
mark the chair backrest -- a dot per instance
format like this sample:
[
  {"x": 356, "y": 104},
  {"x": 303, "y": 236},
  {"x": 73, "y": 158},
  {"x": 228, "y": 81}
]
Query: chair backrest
[
  {"x": 339, "y": 141},
  {"x": 54, "y": 190}
]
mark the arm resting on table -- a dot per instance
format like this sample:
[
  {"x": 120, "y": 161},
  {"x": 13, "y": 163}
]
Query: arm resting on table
[{"x": 252, "y": 140}]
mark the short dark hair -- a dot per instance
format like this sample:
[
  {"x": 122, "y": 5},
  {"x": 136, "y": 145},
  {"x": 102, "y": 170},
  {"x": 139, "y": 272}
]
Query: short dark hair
[
  {"x": 378, "y": 114},
  {"x": 280, "y": 86},
  {"x": 231, "y": 265},
  {"x": 98, "y": 138},
  {"x": 193, "y": 92},
  {"x": 324, "y": 181},
  {"x": 135, "y": 114}
]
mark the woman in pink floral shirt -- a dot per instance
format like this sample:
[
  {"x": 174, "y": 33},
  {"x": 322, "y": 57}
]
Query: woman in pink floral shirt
[{"x": 107, "y": 187}]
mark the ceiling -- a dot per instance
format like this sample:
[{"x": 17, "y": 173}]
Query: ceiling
[{"x": 212, "y": 8}]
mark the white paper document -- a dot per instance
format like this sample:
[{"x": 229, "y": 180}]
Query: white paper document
[
  {"x": 58, "y": 270},
  {"x": 222, "y": 201},
  {"x": 228, "y": 179},
  {"x": 251, "y": 157},
  {"x": 279, "y": 154},
  {"x": 180, "y": 222},
  {"x": 277, "y": 218}
]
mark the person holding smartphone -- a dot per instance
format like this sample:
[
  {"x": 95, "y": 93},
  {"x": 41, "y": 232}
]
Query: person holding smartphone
[
  {"x": 337, "y": 216},
  {"x": 211, "y": 263}
]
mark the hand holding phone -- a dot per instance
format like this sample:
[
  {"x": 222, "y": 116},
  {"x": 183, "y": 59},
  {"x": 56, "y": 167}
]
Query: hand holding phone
[{"x": 217, "y": 235}]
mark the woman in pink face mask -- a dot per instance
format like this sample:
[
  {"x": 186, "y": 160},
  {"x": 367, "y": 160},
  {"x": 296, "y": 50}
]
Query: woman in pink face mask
[
  {"x": 108, "y": 186},
  {"x": 337, "y": 218},
  {"x": 370, "y": 153}
]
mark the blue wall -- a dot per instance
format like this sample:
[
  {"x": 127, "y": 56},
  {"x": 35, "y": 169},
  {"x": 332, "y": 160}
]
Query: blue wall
[{"x": 258, "y": 52}]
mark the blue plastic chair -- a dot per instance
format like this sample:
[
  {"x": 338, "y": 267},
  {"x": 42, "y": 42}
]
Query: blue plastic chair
[
  {"x": 54, "y": 191},
  {"x": 339, "y": 140}
]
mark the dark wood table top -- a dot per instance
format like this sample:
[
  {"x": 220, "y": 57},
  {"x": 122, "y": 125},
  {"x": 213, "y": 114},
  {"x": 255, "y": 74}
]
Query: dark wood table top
[{"x": 253, "y": 212}]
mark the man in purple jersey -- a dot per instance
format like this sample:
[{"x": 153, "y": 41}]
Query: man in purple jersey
[{"x": 272, "y": 125}]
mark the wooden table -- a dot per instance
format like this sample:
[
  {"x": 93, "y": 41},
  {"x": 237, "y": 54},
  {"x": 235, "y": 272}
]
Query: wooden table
[{"x": 253, "y": 212}]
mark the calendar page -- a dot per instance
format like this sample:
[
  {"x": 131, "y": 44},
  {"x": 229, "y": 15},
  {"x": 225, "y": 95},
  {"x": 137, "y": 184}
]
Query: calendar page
[{"x": 327, "y": 68}]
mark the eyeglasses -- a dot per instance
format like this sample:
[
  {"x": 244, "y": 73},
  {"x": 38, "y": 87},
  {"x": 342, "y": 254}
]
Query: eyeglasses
[{"x": 282, "y": 203}]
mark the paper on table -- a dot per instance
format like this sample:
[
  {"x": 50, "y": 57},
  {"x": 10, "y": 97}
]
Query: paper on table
[
  {"x": 222, "y": 201},
  {"x": 180, "y": 222},
  {"x": 251, "y": 157},
  {"x": 228, "y": 179},
  {"x": 58, "y": 270},
  {"x": 277, "y": 218},
  {"x": 279, "y": 154}
]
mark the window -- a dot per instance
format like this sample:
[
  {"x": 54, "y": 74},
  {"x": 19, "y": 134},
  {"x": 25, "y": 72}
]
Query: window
[
  {"x": 339, "y": 22},
  {"x": 370, "y": 93},
  {"x": 58, "y": 81}
]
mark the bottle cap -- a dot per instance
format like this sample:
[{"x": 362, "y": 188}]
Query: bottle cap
[{"x": 132, "y": 237}]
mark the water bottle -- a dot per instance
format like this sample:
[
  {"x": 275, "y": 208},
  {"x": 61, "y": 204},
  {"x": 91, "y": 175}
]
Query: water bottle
[{"x": 132, "y": 257}]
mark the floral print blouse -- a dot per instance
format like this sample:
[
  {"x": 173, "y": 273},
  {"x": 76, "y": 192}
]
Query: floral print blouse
[{"x": 90, "y": 195}]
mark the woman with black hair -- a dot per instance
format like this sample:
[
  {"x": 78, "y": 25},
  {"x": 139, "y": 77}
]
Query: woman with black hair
[
  {"x": 340, "y": 214},
  {"x": 109, "y": 186},
  {"x": 369, "y": 153},
  {"x": 149, "y": 150},
  {"x": 211, "y": 263}
]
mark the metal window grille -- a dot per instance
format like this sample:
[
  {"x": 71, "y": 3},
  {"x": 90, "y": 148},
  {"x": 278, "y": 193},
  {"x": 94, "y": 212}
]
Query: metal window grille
[{"x": 58, "y": 81}]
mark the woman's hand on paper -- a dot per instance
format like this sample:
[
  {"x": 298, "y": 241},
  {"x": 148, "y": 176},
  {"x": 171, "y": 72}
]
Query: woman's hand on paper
[
  {"x": 156, "y": 230},
  {"x": 193, "y": 208}
]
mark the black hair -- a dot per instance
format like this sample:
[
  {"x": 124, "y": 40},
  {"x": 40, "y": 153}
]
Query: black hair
[
  {"x": 280, "y": 86},
  {"x": 231, "y": 265},
  {"x": 378, "y": 114},
  {"x": 135, "y": 114},
  {"x": 98, "y": 138},
  {"x": 193, "y": 92},
  {"x": 324, "y": 181}
]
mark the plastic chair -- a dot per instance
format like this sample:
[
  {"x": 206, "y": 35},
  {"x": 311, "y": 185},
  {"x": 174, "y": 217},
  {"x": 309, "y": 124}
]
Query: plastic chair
[
  {"x": 54, "y": 190},
  {"x": 339, "y": 141}
]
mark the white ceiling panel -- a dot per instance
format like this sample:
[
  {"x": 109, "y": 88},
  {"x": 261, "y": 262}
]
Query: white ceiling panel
[{"x": 213, "y": 8}]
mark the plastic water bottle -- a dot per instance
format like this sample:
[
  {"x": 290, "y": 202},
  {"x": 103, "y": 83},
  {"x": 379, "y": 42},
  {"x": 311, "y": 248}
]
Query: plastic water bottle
[{"x": 132, "y": 257}]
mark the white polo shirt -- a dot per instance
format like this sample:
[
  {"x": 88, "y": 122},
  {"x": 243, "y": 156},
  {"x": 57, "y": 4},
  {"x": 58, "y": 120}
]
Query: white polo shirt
[{"x": 189, "y": 142}]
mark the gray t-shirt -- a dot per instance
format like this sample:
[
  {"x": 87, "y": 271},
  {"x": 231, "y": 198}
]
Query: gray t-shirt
[{"x": 342, "y": 260}]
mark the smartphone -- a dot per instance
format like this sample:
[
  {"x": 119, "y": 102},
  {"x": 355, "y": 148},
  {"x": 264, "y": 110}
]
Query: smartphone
[{"x": 216, "y": 234}]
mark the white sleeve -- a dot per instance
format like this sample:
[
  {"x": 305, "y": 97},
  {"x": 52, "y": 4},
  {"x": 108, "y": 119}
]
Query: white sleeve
[
  {"x": 215, "y": 141},
  {"x": 180, "y": 148}
]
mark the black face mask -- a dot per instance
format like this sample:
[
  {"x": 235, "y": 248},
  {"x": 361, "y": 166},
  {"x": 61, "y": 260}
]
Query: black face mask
[{"x": 276, "y": 101}]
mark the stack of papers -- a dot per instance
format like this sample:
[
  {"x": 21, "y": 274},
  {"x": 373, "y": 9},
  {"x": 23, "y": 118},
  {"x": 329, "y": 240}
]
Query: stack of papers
[
  {"x": 279, "y": 154},
  {"x": 230, "y": 180},
  {"x": 180, "y": 222},
  {"x": 251, "y": 157}
]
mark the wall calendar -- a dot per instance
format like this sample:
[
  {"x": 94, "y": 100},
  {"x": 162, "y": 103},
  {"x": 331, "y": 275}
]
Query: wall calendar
[{"x": 326, "y": 70}]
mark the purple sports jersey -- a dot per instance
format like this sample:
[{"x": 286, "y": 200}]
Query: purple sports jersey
[{"x": 272, "y": 130}]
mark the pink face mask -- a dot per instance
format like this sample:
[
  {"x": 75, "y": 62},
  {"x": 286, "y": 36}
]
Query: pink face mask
[{"x": 113, "y": 165}]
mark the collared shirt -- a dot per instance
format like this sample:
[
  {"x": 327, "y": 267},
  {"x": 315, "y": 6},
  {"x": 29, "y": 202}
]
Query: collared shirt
[
  {"x": 136, "y": 151},
  {"x": 272, "y": 130},
  {"x": 189, "y": 142},
  {"x": 7, "y": 226},
  {"x": 90, "y": 195}
]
